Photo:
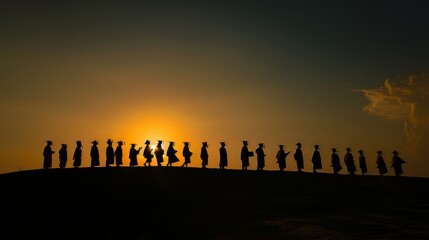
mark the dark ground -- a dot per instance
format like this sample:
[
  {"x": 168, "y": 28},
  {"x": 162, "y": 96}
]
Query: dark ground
[{"x": 155, "y": 203}]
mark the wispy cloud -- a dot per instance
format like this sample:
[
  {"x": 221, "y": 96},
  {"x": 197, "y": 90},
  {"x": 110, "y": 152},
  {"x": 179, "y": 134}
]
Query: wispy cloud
[{"x": 405, "y": 100}]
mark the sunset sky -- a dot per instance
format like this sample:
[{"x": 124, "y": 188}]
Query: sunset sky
[{"x": 334, "y": 73}]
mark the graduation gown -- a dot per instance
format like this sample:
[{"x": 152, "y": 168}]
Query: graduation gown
[
  {"x": 223, "y": 157},
  {"x": 362, "y": 164},
  {"x": 110, "y": 155},
  {"x": 63, "y": 157},
  {"x": 95, "y": 156},
  {"x": 350, "y": 163},
  {"x": 397, "y": 165},
  {"x": 171, "y": 154},
  {"x": 260, "y": 157},
  {"x": 204, "y": 156},
  {"x": 159, "y": 154},
  {"x": 47, "y": 157},
  {"x": 77, "y": 157},
  {"x": 335, "y": 162},
  {"x": 316, "y": 160},
  {"x": 133, "y": 156},
  {"x": 118, "y": 155},
  {"x": 281, "y": 158},
  {"x": 381, "y": 165},
  {"x": 187, "y": 154},
  {"x": 299, "y": 158},
  {"x": 245, "y": 154},
  {"x": 147, "y": 153}
]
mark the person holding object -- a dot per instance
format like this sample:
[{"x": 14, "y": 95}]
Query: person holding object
[{"x": 133, "y": 155}]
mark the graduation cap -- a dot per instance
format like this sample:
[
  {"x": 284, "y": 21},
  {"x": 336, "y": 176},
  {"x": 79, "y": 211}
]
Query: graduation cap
[
  {"x": 48, "y": 141},
  {"x": 316, "y": 146},
  {"x": 78, "y": 142},
  {"x": 298, "y": 144},
  {"x": 395, "y": 152},
  {"x": 186, "y": 143},
  {"x": 222, "y": 143},
  {"x": 379, "y": 152},
  {"x": 334, "y": 149},
  {"x": 133, "y": 144},
  {"x": 360, "y": 151},
  {"x": 348, "y": 149},
  {"x": 205, "y": 144},
  {"x": 159, "y": 141},
  {"x": 261, "y": 144},
  {"x": 94, "y": 142},
  {"x": 109, "y": 141},
  {"x": 281, "y": 145},
  {"x": 147, "y": 142},
  {"x": 120, "y": 142},
  {"x": 245, "y": 142},
  {"x": 64, "y": 145}
]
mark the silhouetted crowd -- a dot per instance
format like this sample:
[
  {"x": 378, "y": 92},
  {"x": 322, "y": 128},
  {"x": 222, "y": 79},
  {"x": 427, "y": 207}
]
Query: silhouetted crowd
[{"x": 116, "y": 157}]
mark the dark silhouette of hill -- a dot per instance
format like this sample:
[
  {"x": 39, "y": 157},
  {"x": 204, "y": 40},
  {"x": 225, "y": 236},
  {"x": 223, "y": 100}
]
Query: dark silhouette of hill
[{"x": 190, "y": 203}]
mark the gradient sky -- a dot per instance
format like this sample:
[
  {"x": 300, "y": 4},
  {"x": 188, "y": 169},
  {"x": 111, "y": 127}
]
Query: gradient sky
[{"x": 333, "y": 73}]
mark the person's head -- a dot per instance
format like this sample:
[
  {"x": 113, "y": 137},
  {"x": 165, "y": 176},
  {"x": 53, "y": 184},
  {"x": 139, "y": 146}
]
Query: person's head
[
  {"x": 316, "y": 146},
  {"x": 348, "y": 149},
  {"x": 360, "y": 152},
  {"x": 109, "y": 141},
  {"x": 159, "y": 142},
  {"x": 79, "y": 143},
  {"x": 133, "y": 145},
  {"x": 171, "y": 144},
  {"x": 94, "y": 142},
  {"x": 147, "y": 142},
  {"x": 49, "y": 142},
  {"x": 261, "y": 145},
  {"x": 222, "y": 144},
  {"x": 245, "y": 143},
  {"x": 379, "y": 152},
  {"x": 205, "y": 144},
  {"x": 186, "y": 144},
  {"x": 64, "y": 146},
  {"x": 281, "y": 146},
  {"x": 299, "y": 145},
  {"x": 334, "y": 150},
  {"x": 395, "y": 153}
]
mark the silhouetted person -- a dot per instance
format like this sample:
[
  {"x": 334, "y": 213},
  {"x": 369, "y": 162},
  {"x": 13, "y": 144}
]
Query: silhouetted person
[
  {"x": 77, "y": 155},
  {"x": 159, "y": 153},
  {"x": 95, "y": 155},
  {"x": 281, "y": 157},
  {"x": 171, "y": 154},
  {"x": 133, "y": 155},
  {"x": 63, "y": 155},
  {"x": 223, "y": 156},
  {"x": 381, "y": 165},
  {"x": 335, "y": 161},
  {"x": 110, "y": 154},
  {"x": 299, "y": 158},
  {"x": 260, "y": 157},
  {"x": 186, "y": 154},
  {"x": 147, "y": 153},
  {"x": 350, "y": 163},
  {"x": 47, "y": 155},
  {"x": 245, "y": 154},
  {"x": 397, "y": 164},
  {"x": 362, "y": 162},
  {"x": 119, "y": 154},
  {"x": 316, "y": 159},
  {"x": 204, "y": 155}
]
